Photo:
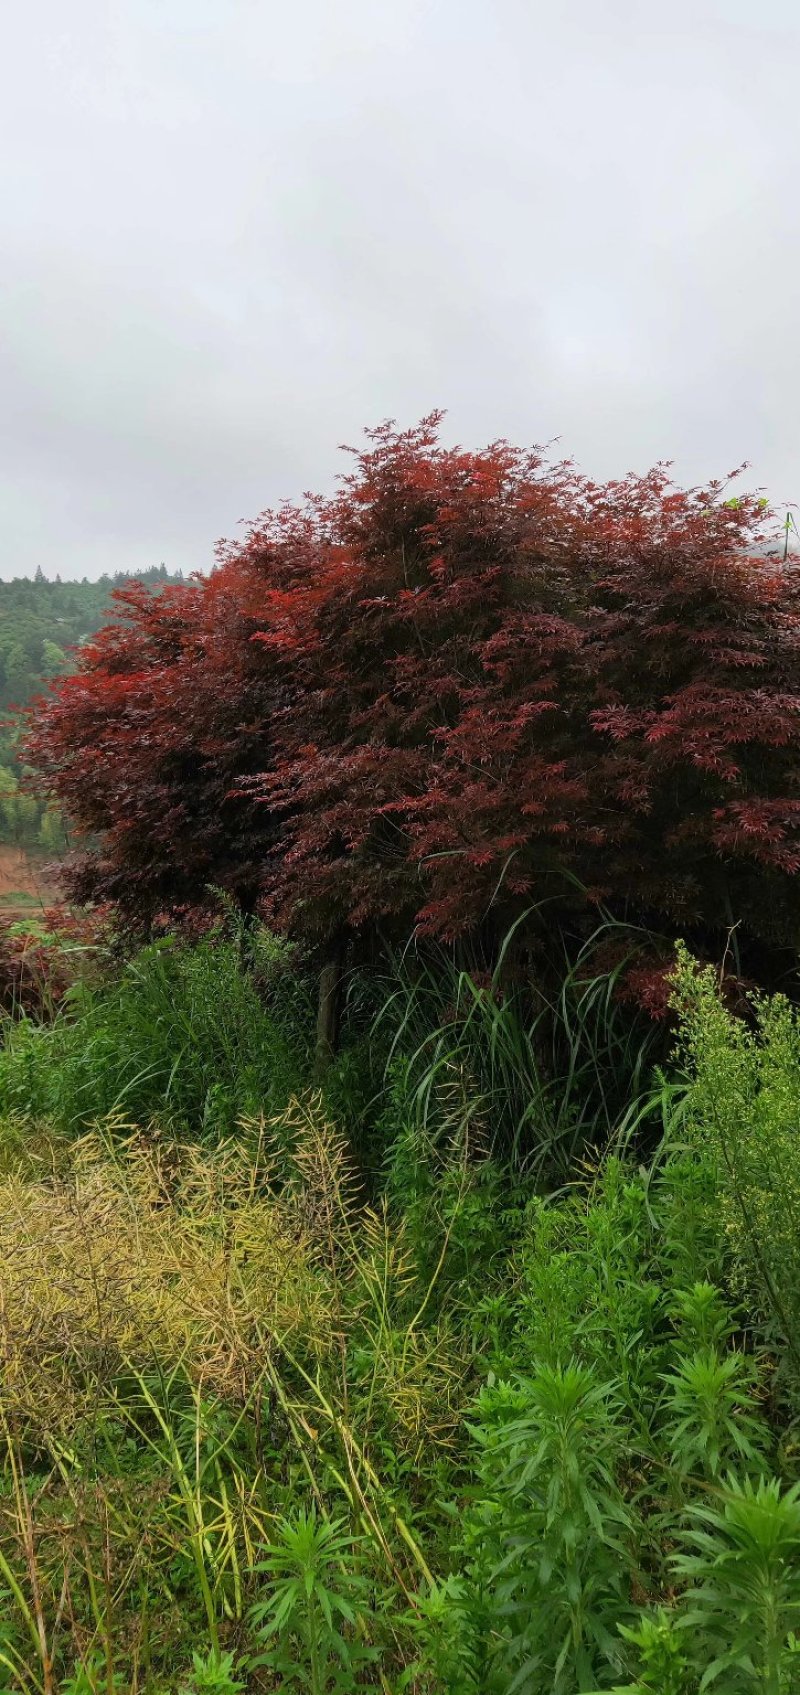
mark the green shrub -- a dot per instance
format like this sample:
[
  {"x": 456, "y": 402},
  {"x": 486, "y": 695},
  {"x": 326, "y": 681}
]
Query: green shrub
[
  {"x": 311, "y": 1624},
  {"x": 596, "y": 1280},
  {"x": 663, "y": 1666},
  {"x": 711, "y": 1421},
  {"x": 637, "y": 1402},
  {"x": 743, "y": 1110},
  {"x": 557, "y": 1538},
  {"x": 742, "y": 1561},
  {"x": 183, "y": 1037},
  {"x": 443, "y": 1625}
]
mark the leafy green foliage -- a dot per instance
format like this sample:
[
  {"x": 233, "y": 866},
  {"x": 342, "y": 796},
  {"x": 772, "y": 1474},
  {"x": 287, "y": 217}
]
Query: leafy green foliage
[
  {"x": 669, "y": 1402},
  {"x": 442, "y": 1626},
  {"x": 269, "y": 1420},
  {"x": 317, "y": 1600},
  {"x": 92, "y": 1675},
  {"x": 709, "y": 1424},
  {"x": 213, "y": 1674},
  {"x": 556, "y": 1529},
  {"x": 182, "y": 1036},
  {"x": 663, "y": 1666},
  {"x": 742, "y": 1561},
  {"x": 742, "y": 1110}
]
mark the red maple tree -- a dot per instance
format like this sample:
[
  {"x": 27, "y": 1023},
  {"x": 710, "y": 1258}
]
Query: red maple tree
[
  {"x": 169, "y": 707},
  {"x": 464, "y": 681}
]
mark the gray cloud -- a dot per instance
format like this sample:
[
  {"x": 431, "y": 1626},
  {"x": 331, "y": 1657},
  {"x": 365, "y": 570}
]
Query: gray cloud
[{"x": 233, "y": 232}]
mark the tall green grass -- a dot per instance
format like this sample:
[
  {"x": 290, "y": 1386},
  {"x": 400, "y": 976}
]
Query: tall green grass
[
  {"x": 540, "y": 1069},
  {"x": 182, "y": 1035}
]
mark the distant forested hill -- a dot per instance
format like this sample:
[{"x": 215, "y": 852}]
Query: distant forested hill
[{"x": 42, "y": 622}]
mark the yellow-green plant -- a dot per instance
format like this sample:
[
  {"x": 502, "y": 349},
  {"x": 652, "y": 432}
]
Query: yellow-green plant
[{"x": 744, "y": 1107}]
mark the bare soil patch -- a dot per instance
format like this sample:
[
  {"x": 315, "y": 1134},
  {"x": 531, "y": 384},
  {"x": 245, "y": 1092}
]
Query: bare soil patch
[{"x": 27, "y": 884}]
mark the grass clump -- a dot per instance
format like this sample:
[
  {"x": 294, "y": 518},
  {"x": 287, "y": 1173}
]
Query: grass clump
[{"x": 181, "y": 1035}]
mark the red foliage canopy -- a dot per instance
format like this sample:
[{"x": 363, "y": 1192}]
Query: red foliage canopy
[{"x": 438, "y": 691}]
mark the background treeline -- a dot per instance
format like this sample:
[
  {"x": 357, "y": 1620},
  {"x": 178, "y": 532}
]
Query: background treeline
[{"x": 42, "y": 622}]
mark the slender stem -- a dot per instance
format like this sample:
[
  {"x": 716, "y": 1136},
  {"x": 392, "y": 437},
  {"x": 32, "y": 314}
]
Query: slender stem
[{"x": 313, "y": 1649}]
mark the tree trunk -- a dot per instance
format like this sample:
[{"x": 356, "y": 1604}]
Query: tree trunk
[{"x": 328, "y": 1011}]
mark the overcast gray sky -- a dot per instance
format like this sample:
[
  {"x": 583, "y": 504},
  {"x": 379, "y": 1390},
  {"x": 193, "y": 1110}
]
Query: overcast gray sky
[{"x": 235, "y": 231}]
